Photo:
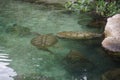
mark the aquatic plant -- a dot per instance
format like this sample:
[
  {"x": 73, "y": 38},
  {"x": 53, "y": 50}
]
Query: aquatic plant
[
  {"x": 79, "y": 5},
  {"x": 100, "y": 7},
  {"x": 106, "y": 9}
]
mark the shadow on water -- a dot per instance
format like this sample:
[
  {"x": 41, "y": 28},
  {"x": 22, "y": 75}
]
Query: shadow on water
[{"x": 33, "y": 64}]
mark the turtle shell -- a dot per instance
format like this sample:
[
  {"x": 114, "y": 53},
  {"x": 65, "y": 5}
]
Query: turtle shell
[{"x": 44, "y": 41}]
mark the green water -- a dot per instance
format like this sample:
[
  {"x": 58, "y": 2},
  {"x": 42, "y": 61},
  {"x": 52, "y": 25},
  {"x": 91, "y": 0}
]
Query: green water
[{"x": 27, "y": 60}]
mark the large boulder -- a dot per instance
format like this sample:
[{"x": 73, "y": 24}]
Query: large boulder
[
  {"x": 111, "y": 75},
  {"x": 112, "y": 28},
  {"x": 112, "y": 36}
]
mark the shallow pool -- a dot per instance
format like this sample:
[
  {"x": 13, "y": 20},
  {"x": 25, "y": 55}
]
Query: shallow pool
[{"x": 20, "y": 60}]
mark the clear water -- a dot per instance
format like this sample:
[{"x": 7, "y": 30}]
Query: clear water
[{"x": 19, "y": 57}]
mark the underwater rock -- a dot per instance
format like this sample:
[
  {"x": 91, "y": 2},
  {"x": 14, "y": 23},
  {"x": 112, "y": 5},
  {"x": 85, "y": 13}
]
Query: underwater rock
[
  {"x": 44, "y": 41},
  {"x": 32, "y": 77},
  {"x": 75, "y": 62},
  {"x": 111, "y": 75},
  {"x": 78, "y": 35},
  {"x": 112, "y": 36},
  {"x": 19, "y": 30}
]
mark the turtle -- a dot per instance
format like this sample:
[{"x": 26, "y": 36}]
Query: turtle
[
  {"x": 44, "y": 41},
  {"x": 77, "y": 35},
  {"x": 75, "y": 62},
  {"x": 18, "y": 29}
]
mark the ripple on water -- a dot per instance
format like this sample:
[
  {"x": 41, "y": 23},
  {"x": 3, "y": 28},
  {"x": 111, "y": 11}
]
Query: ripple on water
[{"x": 6, "y": 73}]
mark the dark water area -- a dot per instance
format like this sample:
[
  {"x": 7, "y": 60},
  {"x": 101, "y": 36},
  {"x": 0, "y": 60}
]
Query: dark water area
[{"x": 20, "y": 60}]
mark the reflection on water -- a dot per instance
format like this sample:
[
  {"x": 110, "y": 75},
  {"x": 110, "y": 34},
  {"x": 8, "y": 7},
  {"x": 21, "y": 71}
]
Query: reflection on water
[{"x": 6, "y": 73}]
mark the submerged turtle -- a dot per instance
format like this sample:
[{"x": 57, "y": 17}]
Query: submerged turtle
[
  {"x": 75, "y": 62},
  {"x": 19, "y": 30},
  {"x": 78, "y": 35},
  {"x": 44, "y": 41}
]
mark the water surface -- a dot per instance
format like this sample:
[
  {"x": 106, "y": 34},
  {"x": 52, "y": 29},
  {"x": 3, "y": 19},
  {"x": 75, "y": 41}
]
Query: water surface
[{"x": 27, "y": 61}]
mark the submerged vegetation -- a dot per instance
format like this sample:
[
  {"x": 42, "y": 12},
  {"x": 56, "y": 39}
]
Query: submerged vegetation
[{"x": 101, "y": 7}]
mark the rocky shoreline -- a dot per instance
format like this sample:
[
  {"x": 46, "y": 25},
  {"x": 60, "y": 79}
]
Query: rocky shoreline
[
  {"x": 112, "y": 44},
  {"x": 112, "y": 36}
]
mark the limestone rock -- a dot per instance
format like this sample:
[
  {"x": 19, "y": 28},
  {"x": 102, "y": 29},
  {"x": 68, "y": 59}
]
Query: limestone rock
[
  {"x": 111, "y": 75},
  {"x": 112, "y": 44},
  {"x": 112, "y": 36},
  {"x": 112, "y": 28}
]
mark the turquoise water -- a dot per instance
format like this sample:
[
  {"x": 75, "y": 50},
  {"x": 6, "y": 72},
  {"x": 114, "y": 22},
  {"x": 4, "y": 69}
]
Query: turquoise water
[{"x": 25, "y": 60}]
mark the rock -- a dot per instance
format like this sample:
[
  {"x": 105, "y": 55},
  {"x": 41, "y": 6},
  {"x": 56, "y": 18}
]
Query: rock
[
  {"x": 78, "y": 35},
  {"x": 44, "y": 41},
  {"x": 112, "y": 44},
  {"x": 112, "y": 36},
  {"x": 111, "y": 75},
  {"x": 112, "y": 27},
  {"x": 32, "y": 76},
  {"x": 76, "y": 62}
]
